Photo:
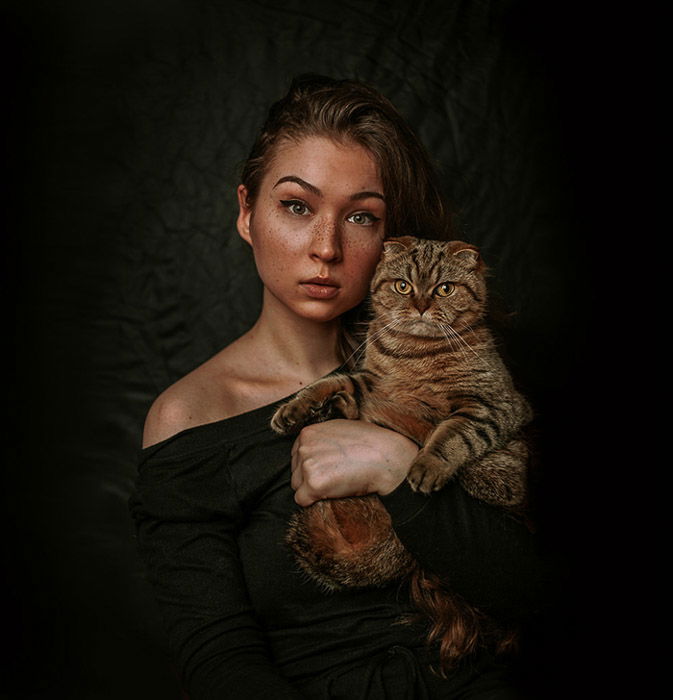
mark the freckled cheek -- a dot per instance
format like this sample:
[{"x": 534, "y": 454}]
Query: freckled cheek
[
  {"x": 363, "y": 254},
  {"x": 275, "y": 249}
]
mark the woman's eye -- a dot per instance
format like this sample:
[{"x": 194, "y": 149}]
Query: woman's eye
[
  {"x": 295, "y": 206},
  {"x": 363, "y": 218},
  {"x": 402, "y": 287},
  {"x": 445, "y": 290}
]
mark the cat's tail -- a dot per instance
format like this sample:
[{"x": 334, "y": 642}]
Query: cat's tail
[{"x": 458, "y": 628}]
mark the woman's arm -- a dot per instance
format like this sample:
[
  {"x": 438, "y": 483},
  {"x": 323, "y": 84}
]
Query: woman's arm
[
  {"x": 340, "y": 458},
  {"x": 480, "y": 550},
  {"x": 186, "y": 520}
]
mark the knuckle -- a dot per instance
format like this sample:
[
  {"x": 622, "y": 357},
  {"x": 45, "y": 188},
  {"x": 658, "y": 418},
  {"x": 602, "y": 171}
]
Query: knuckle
[
  {"x": 310, "y": 431},
  {"x": 316, "y": 482},
  {"x": 308, "y": 463}
]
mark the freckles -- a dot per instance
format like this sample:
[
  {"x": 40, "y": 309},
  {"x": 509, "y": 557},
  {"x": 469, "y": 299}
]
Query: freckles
[
  {"x": 364, "y": 252},
  {"x": 278, "y": 247},
  {"x": 370, "y": 244}
]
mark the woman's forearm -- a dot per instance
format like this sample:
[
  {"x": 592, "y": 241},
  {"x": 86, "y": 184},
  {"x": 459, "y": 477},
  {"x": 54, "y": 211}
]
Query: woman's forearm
[
  {"x": 479, "y": 550},
  {"x": 340, "y": 458}
]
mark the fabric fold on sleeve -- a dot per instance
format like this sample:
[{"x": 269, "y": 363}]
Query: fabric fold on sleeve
[
  {"x": 481, "y": 551},
  {"x": 187, "y": 517}
]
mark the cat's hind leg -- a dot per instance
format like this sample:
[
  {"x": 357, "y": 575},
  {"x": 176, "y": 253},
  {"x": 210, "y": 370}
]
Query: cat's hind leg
[
  {"x": 500, "y": 476},
  {"x": 348, "y": 543}
]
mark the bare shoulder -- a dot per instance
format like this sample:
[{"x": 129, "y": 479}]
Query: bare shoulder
[
  {"x": 204, "y": 395},
  {"x": 171, "y": 412},
  {"x": 228, "y": 384}
]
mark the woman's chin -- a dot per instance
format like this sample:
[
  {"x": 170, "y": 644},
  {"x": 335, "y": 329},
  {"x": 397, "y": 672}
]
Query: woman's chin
[
  {"x": 320, "y": 312},
  {"x": 325, "y": 310}
]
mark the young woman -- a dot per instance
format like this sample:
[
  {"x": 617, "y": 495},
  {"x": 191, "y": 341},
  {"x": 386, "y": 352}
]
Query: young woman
[{"x": 334, "y": 171}]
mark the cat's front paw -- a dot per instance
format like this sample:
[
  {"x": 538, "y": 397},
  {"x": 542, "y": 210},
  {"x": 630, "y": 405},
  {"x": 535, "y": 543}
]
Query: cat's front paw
[
  {"x": 428, "y": 473},
  {"x": 289, "y": 418}
]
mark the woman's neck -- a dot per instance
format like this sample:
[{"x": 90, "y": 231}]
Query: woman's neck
[{"x": 294, "y": 346}]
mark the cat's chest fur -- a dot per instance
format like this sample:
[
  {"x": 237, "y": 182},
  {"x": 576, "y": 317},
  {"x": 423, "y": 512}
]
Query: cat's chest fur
[
  {"x": 415, "y": 381},
  {"x": 402, "y": 405}
]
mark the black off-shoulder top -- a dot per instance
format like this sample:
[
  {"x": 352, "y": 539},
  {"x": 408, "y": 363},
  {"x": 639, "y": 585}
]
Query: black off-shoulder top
[{"x": 211, "y": 507}]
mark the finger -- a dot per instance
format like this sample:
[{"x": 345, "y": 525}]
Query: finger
[
  {"x": 302, "y": 498},
  {"x": 296, "y": 475},
  {"x": 294, "y": 456},
  {"x": 297, "y": 479}
]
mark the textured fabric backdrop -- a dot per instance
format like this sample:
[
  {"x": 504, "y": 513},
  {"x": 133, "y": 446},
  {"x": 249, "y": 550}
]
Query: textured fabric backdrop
[{"x": 127, "y": 124}]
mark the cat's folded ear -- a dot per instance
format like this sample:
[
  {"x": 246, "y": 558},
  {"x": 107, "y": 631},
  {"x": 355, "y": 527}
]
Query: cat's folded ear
[
  {"x": 394, "y": 246},
  {"x": 467, "y": 255}
]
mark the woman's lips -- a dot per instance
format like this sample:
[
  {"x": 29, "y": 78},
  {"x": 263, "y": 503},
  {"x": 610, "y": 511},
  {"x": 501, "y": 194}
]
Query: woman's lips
[{"x": 320, "y": 289}]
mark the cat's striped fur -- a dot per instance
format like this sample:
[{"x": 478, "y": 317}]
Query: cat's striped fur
[{"x": 430, "y": 371}]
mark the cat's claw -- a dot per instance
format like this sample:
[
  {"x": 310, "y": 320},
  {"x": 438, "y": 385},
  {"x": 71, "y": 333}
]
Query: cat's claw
[
  {"x": 428, "y": 473},
  {"x": 294, "y": 415},
  {"x": 287, "y": 420}
]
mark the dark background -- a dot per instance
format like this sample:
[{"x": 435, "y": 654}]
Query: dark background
[{"x": 125, "y": 124}]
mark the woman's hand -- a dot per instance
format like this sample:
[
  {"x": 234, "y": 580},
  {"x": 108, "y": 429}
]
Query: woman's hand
[{"x": 341, "y": 458}]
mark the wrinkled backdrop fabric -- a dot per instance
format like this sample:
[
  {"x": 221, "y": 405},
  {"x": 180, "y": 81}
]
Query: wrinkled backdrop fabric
[{"x": 127, "y": 125}]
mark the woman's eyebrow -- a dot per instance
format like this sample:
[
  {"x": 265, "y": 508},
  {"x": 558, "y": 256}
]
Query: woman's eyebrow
[
  {"x": 302, "y": 183},
  {"x": 318, "y": 193},
  {"x": 366, "y": 194}
]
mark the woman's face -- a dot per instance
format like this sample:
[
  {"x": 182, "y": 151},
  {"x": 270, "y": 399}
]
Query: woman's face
[{"x": 316, "y": 226}]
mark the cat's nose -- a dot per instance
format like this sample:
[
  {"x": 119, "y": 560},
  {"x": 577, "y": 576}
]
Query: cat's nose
[{"x": 422, "y": 304}]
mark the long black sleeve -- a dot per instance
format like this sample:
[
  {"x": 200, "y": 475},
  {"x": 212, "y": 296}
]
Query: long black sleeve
[
  {"x": 186, "y": 517},
  {"x": 211, "y": 509},
  {"x": 481, "y": 551}
]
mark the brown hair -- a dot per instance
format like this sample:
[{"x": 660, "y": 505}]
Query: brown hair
[{"x": 346, "y": 110}]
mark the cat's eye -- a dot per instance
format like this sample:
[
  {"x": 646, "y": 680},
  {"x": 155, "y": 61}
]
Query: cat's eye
[
  {"x": 402, "y": 287},
  {"x": 295, "y": 206},
  {"x": 445, "y": 290}
]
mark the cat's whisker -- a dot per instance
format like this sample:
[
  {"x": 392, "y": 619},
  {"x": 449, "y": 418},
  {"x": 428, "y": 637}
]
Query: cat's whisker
[
  {"x": 459, "y": 342},
  {"x": 394, "y": 323},
  {"x": 357, "y": 349},
  {"x": 458, "y": 401},
  {"x": 460, "y": 339},
  {"x": 363, "y": 345},
  {"x": 449, "y": 340},
  {"x": 468, "y": 327}
]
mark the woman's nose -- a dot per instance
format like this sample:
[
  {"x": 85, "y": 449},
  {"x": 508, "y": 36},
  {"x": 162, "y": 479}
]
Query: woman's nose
[{"x": 326, "y": 241}]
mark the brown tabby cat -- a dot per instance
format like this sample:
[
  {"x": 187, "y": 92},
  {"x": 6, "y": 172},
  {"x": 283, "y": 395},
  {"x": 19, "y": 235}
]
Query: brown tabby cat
[{"x": 431, "y": 371}]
